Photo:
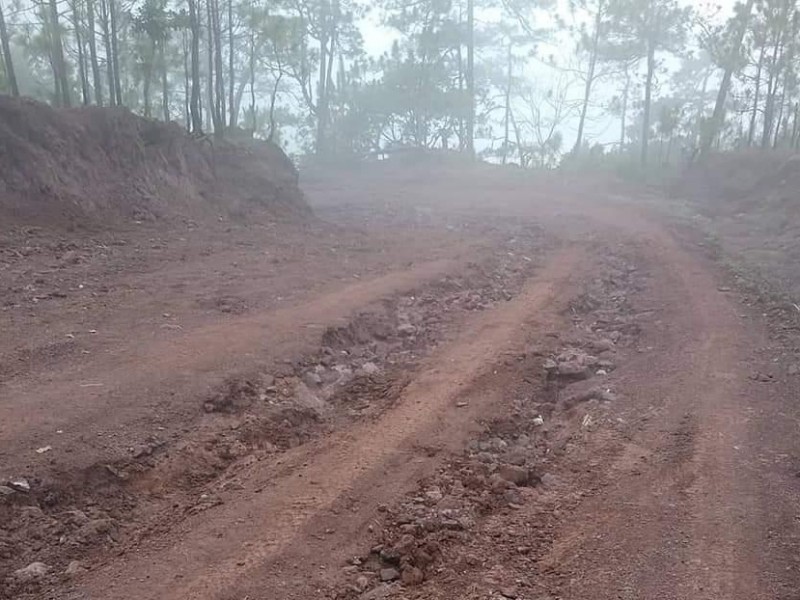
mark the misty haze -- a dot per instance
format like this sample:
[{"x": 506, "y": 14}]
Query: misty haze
[{"x": 406, "y": 300}]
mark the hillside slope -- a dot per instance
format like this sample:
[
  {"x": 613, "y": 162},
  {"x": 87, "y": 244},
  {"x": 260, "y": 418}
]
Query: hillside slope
[
  {"x": 95, "y": 165},
  {"x": 751, "y": 202}
]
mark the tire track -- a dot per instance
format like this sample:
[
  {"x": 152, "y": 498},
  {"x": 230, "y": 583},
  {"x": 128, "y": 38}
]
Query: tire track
[{"x": 214, "y": 552}]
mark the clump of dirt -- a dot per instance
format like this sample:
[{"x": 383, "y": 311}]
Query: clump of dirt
[{"x": 93, "y": 165}]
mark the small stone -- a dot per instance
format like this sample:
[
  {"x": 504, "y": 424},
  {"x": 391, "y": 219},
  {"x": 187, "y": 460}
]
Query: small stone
[
  {"x": 74, "y": 568},
  {"x": 604, "y": 345},
  {"x": 389, "y": 574},
  {"x": 406, "y": 329},
  {"x": 549, "y": 480},
  {"x": 370, "y": 368},
  {"x": 538, "y": 421},
  {"x": 312, "y": 379},
  {"x": 33, "y": 572},
  {"x": 350, "y": 569},
  {"x": 21, "y": 485},
  {"x": 412, "y": 576},
  {"x": 498, "y": 444},
  {"x": 514, "y": 474},
  {"x": 509, "y": 592},
  {"x": 573, "y": 370},
  {"x": 434, "y": 494},
  {"x": 486, "y": 457},
  {"x": 362, "y": 583}
]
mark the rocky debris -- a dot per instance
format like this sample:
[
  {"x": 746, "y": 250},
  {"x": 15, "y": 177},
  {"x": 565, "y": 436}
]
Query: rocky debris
[
  {"x": 308, "y": 400},
  {"x": 33, "y": 573},
  {"x": 515, "y": 474},
  {"x": 601, "y": 345},
  {"x": 370, "y": 368},
  {"x": 20, "y": 484},
  {"x": 599, "y": 393},
  {"x": 412, "y": 576},
  {"x": 233, "y": 396},
  {"x": 74, "y": 568},
  {"x": 435, "y": 529},
  {"x": 384, "y": 590},
  {"x": 312, "y": 379},
  {"x": 389, "y": 574},
  {"x": 573, "y": 364},
  {"x": 406, "y": 329}
]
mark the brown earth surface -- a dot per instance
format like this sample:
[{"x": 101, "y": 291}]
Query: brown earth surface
[{"x": 450, "y": 383}]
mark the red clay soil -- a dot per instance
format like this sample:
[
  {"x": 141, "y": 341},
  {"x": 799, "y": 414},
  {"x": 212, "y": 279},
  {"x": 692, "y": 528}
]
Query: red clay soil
[
  {"x": 102, "y": 167},
  {"x": 453, "y": 385}
]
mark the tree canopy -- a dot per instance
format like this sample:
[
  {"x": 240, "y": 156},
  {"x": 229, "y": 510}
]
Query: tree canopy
[{"x": 535, "y": 83}]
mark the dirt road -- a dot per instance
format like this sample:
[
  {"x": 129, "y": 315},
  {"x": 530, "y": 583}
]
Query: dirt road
[{"x": 565, "y": 399}]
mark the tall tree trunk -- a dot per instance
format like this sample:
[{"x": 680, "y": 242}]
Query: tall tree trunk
[
  {"x": 194, "y": 104},
  {"x": 756, "y": 97},
  {"x": 211, "y": 109},
  {"x": 471, "y": 77},
  {"x": 231, "y": 75},
  {"x": 218, "y": 66},
  {"x": 237, "y": 98},
  {"x": 648, "y": 94},
  {"x": 82, "y": 72},
  {"x": 322, "y": 95},
  {"x": 461, "y": 121},
  {"x": 718, "y": 117},
  {"x": 254, "y": 123},
  {"x": 518, "y": 138},
  {"x": 57, "y": 49},
  {"x": 587, "y": 91},
  {"x": 772, "y": 89},
  {"x": 164, "y": 82},
  {"x": 7, "y": 59},
  {"x": 219, "y": 81},
  {"x": 91, "y": 34},
  {"x": 272, "y": 99},
  {"x": 105, "y": 24},
  {"x": 187, "y": 111},
  {"x": 332, "y": 35},
  {"x": 779, "y": 120},
  {"x": 115, "y": 50},
  {"x": 624, "y": 115},
  {"x": 147, "y": 78},
  {"x": 507, "y": 116},
  {"x": 796, "y": 114}
]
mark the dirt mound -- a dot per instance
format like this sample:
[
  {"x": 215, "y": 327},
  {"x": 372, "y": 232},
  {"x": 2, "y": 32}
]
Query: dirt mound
[
  {"x": 92, "y": 165},
  {"x": 751, "y": 203},
  {"x": 742, "y": 181}
]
